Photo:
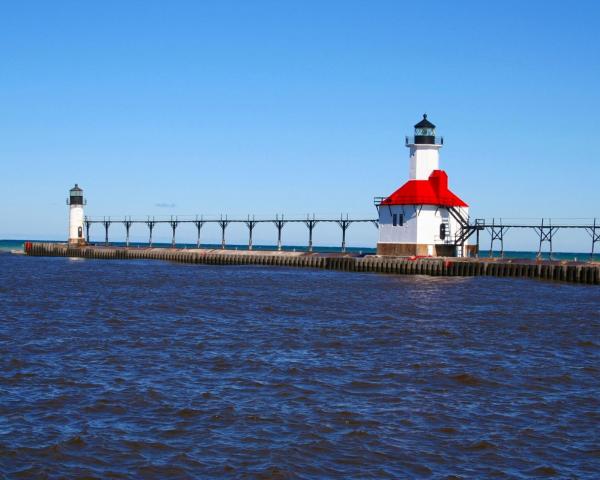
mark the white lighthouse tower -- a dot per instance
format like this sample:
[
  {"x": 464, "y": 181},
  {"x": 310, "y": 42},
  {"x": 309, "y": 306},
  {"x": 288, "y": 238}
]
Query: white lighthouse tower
[
  {"x": 76, "y": 203},
  {"x": 423, "y": 217}
]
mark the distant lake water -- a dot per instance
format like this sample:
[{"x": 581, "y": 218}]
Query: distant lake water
[{"x": 148, "y": 369}]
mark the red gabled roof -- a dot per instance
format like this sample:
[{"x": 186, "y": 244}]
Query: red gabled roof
[{"x": 433, "y": 191}]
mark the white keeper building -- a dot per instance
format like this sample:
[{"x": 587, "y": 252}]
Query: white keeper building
[{"x": 423, "y": 217}]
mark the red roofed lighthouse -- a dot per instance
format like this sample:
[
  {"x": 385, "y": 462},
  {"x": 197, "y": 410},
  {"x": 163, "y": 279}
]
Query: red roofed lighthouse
[{"x": 422, "y": 217}]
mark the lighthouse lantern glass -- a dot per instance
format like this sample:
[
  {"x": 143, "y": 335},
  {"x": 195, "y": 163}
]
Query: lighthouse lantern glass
[
  {"x": 76, "y": 196},
  {"x": 425, "y": 132}
]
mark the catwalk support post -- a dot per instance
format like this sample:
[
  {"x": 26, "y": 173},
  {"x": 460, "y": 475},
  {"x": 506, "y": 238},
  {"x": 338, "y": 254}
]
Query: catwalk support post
[
  {"x": 546, "y": 233},
  {"x": 279, "y": 223},
  {"x": 223, "y": 224},
  {"x": 173, "y": 222},
  {"x": 497, "y": 233},
  {"x": 150, "y": 224},
  {"x": 344, "y": 224},
  {"x": 106, "y": 224},
  {"x": 250, "y": 224},
  {"x": 199, "y": 224},
  {"x": 310, "y": 224},
  {"x": 127, "y": 222},
  {"x": 594, "y": 232},
  {"x": 87, "y": 230}
]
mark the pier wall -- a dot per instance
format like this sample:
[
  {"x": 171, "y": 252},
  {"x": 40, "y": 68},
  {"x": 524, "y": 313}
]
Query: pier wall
[{"x": 581, "y": 273}]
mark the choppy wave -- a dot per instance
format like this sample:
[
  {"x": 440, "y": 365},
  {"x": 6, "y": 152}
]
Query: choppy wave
[{"x": 114, "y": 369}]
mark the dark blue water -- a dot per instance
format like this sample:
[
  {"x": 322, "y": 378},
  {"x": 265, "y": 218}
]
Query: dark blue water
[{"x": 145, "y": 369}]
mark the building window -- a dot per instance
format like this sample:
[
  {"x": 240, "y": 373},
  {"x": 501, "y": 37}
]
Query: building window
[{"x": 398, "y": 219}]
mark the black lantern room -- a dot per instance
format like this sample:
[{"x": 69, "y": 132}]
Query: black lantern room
[
  {"x": 425, "y": 132},
  {"x": 76, "y": 196}
]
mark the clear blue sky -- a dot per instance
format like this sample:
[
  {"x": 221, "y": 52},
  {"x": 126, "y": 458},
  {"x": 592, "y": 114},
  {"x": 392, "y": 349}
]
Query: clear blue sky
[{"x": 294, "y": 107}]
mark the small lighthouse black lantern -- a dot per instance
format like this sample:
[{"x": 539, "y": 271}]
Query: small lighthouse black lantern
[
  {"x": 75, "y": 196},
  {"x": 425, "y": 132}
]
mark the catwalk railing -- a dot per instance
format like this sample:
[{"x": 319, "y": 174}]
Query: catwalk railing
[
  {"x": 545, "y": 228},
  {"x": 223, "y": 222}
]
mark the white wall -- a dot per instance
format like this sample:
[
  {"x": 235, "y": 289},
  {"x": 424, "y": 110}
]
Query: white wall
[
  {"x": 75, "y": 221},
  {"x": 429, "y": 222},
  {"x": 407, "y": 233},
  {"x": 421, "y": 224},
  {"x": 424, "y": 159}
]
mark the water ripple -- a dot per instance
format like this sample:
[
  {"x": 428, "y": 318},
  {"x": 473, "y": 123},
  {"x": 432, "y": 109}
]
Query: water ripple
[{"x": 129, "y": 370}]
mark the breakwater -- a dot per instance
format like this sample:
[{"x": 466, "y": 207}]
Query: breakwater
[{"x": 572, "y": 272}]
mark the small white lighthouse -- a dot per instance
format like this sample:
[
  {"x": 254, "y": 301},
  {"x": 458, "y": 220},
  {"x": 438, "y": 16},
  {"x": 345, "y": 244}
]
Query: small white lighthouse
[
  {"x": 423, "y": 217},
  {"x": 76, "y": 203}
]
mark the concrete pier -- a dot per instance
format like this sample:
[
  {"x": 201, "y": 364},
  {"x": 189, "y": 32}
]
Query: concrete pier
[{"x": 572, "y": 272}]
